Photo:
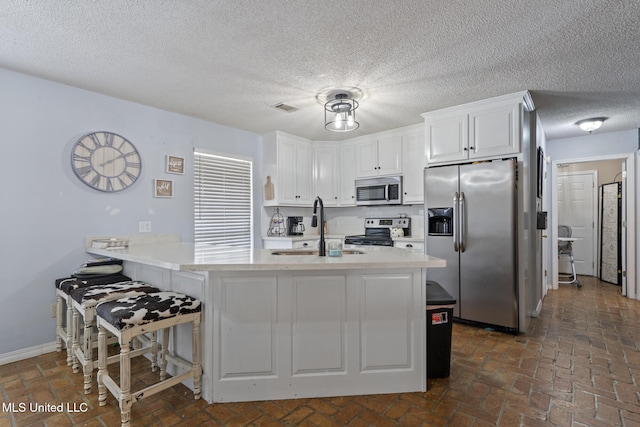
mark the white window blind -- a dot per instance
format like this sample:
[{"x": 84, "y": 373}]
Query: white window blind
[{"x": 222, "y": 193}]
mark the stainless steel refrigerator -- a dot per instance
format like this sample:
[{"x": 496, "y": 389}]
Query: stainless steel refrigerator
[{"x": 470, "y": 220}]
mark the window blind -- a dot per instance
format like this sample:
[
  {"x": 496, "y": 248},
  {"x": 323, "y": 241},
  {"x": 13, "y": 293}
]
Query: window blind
[{"x": 222, "y": 193}]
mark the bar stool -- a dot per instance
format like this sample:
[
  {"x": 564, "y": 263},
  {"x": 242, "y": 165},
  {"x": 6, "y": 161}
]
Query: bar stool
[
  {"x": 84, "y": 302},
  {"x": 64, "y": 286},
  {"x": 127, "y": 318}
]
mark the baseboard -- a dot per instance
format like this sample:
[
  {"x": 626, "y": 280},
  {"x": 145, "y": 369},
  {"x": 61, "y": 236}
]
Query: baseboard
[
  {"x": 538, "y": 309},
  {"x": 26, "y": 353}
]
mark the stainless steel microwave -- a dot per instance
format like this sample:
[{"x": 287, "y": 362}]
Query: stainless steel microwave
[{"x": 385, "y": 190}]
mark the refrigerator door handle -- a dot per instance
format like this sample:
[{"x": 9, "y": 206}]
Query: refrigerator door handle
[
  {"x": 461, "y": 220},
  {"x": 455, "y": 223}
]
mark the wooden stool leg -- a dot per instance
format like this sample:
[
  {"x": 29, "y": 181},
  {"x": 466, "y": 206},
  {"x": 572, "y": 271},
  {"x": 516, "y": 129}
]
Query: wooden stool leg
[
  {"x": 163, "y": 354},
  {"x": 195, "y": 354},
  {"x": 76, "y": 340},
  {"x": 87, "y": 363},
  {"x": 125, "y": 382},
  {"x": 154, "y": 351},
  {"x": 58, "y": 323},
  {"x": 102, "y": 366},
  {"x": 69, "y": 332}
]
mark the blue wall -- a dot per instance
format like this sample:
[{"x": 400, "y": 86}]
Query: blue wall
[{"x": 45, "y": 211}]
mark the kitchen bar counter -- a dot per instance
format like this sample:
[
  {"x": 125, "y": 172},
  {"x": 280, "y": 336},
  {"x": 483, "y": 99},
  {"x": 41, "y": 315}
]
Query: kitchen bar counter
[
  {"x": 180, "y": 256},
  {"x": 296, "y": 326}
]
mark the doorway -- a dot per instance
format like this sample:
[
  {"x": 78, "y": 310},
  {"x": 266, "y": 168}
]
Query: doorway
[
  {"x": 624, "y": 166},
  {"x": 577, "y": 208}
]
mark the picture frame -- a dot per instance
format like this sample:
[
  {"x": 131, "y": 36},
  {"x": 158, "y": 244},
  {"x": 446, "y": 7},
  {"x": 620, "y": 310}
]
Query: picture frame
[
  {"x": 175, "y": 164},
  {"x": 163, "y": 188},
  {"x": 540, "y": 172}
]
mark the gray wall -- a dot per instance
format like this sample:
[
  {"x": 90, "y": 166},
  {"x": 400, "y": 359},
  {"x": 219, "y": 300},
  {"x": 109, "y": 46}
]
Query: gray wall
[{"x": 45, "y": 211}]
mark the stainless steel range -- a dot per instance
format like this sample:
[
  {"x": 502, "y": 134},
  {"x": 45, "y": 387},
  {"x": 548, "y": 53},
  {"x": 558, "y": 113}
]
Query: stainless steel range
[{"x": 378, "y": 231}]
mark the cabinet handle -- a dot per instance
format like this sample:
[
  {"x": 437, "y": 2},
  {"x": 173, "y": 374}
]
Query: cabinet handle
[
  {"x": 409, "y": 245},
  {"x": 470, "y": 148},
  {"x": 305, "y": 244},
  {"x": 465, "y": 149}
]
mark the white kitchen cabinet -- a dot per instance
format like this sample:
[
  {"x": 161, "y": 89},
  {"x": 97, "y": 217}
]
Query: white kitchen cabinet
[
  {"x": 326, "y": 176},
  {"x": 494, "y": 131},
  {"x": 409, "y": 245},
  {"x": 347, "y": 175},
  {"x": 413, "y": 164},
  {"x": 288, "y": 160},
  {"x": 379, "y": 157},
  {"x": 306, "y": 244},
  {"x": 477, "y": 131}
]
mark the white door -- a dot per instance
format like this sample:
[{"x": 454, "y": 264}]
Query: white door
[{"x": 577, "y": 209}]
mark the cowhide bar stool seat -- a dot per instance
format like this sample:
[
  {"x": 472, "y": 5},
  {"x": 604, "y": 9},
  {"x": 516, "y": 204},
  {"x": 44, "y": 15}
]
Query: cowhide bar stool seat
[
  {"x": 127, "y": 318},
  {"x": 84, "y": 301},
  {"x": 64, "y": 286}
]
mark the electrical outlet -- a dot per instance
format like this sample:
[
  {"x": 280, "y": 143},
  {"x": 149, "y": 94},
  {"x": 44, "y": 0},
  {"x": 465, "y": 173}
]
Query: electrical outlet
[
  {"x": 54, "y": 310},
  {"x": 144, "y": 226}
]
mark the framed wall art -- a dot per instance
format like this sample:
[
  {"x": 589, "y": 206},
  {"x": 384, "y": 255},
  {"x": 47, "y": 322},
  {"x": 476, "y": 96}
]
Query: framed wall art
[
  {"x": 175, "y": 164},
  {"x": 163, "y": 188}
]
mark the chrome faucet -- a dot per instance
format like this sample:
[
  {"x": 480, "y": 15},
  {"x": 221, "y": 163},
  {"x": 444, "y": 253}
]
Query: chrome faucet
[{"x": 322, "y": 249}]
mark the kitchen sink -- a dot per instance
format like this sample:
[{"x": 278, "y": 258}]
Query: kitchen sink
[{"x": 308, "y": 252}]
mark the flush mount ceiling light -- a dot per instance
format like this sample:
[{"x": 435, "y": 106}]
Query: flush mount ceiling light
[
  {"x": 340, "y": 113},
  {"x": 589, "y": 125}
]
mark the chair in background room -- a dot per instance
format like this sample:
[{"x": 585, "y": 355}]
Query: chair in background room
[{"x": 565, "y": 253}]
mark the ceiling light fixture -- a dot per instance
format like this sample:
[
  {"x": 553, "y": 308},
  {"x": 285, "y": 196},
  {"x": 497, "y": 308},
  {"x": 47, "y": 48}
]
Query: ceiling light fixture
[
  {"x": 340, "y": 113},
  {"x": 589, "y": 125}
]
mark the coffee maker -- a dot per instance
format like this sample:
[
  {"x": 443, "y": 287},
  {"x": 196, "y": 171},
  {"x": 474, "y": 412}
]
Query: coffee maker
[{"x": 295, "y": 226}]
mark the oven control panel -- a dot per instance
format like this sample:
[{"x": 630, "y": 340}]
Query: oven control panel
[{"x": 402, "y": 222}]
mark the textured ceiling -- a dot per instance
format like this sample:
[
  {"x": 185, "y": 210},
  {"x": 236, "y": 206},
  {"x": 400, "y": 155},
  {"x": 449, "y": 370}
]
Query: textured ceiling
[{"x": 230, "y": 61}]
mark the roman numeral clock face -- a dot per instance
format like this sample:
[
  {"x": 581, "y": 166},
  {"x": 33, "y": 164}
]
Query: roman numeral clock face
[{"x": 106, "y": 161}]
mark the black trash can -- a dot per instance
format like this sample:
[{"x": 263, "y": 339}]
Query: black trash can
[{"x": 439, "y": 328}]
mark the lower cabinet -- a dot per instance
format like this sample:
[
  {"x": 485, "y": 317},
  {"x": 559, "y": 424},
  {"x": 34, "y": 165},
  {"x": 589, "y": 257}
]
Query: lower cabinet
[
  {"x": 411, "y": 246},
  {"x": 282, "y": 335}
]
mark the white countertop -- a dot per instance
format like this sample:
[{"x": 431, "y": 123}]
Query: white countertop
[{"x": 182, "y": 256}]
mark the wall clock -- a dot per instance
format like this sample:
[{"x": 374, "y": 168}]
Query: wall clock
[{"x": 106, "y": 161}]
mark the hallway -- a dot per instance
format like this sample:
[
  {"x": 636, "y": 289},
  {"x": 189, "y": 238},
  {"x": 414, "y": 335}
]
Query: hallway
[{"x": 578, "y": 365}]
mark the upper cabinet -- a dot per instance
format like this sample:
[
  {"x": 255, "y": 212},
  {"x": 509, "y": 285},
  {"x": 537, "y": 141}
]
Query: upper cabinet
[
  {"x": 326, "y": 172},
  {"x": 478, "y": 131},
  {"x": 288, "y": 160},
  {"x": 379, "y": 157},
  {"x": 413, "y": 164},
  {"x": 347, "y": 174}
]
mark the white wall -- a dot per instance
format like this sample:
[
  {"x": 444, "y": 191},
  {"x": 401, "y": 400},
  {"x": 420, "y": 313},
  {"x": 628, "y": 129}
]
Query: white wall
[
  {"x": 45, "y": 211},
  {"x": 593, "y": 145}
]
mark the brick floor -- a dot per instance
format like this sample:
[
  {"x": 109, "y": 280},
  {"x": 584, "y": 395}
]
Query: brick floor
[{"x": 577, "y": 365}]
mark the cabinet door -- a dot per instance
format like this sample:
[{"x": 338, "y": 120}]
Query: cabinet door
[
  {"x": 304, "y": 174},
  {"x": 326, "y": 176},
  {"x": 286, "y": 172},
  {"x": 447, "y": 138},
  {"x": 390, "y": 155},
  {"x": 413, "y": 164},
  {"x": 494, "y": 131},
  {"x": 348, "y": 175},
  {"x": 367, "y": 159}
]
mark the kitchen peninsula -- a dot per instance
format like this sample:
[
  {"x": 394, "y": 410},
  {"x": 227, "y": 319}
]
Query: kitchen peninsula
[{"x": 291, "y": 324}]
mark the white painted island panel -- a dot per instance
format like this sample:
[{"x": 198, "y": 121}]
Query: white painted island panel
[
  {"x": 247, "y": 327},
  {"x": 319, "y": 320},
  {"x": 386, "y": 322}
]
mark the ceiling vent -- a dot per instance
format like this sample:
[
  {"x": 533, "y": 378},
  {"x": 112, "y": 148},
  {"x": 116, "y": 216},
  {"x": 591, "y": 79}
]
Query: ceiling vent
[{"x": 286, "y": 108}]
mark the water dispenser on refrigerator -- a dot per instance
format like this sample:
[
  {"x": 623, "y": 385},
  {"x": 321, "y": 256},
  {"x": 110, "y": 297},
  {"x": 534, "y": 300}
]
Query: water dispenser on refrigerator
[{"x": 440, "y": 221}]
